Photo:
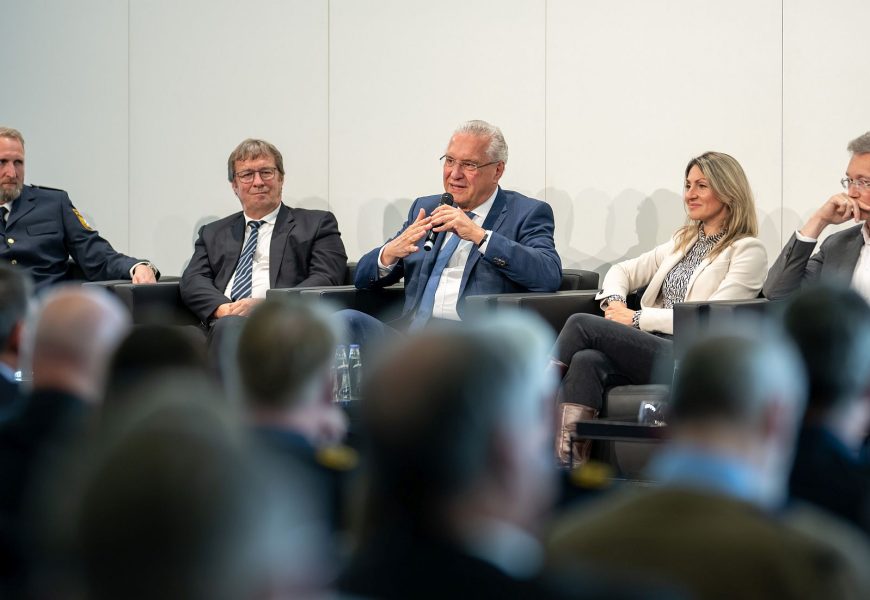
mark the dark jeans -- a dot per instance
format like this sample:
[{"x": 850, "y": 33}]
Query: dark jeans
[{"x": 601, "y": 354}]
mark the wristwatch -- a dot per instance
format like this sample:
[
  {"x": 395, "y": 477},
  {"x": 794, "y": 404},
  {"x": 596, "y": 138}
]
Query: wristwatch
[{"x": 483, "y": 239}]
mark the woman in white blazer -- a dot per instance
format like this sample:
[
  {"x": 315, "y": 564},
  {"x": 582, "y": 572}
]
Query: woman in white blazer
[{"x": 714, "y": 256}]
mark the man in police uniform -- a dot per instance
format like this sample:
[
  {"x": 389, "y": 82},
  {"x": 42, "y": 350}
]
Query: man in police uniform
[{"x": 40, "y": 229}]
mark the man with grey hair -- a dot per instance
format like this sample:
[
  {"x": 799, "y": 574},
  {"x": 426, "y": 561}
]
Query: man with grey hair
[
  {"x": 490, "y": 241},
  {"x": 714, "y": 525},
  {"x": 68, "y": 346},
  {"x": 40, "y": 229},
  {"x": 457, "y": 427},
  {"x": 266, "y": 245},
  {"x": 844, "y": 257}
]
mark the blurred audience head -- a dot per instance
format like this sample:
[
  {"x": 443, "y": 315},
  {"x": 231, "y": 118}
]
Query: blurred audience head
[
  {"x": 284, "y": 358},
  {"x": 16, "y": 289},
  {"x": 743, "y": 396},
  {"x": 71, "y": 339},
  {"x": 458, "y": 426},
  {"x": 149, "y": 352},
  {"x": 176, "y": 503},
  {"x": 831, "y": 328}
]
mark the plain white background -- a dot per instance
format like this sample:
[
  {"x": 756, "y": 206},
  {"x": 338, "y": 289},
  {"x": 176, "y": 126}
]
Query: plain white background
[{"x": 133, "y": 107}]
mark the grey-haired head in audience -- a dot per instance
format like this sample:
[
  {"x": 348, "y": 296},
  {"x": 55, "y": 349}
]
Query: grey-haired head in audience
[{"x": 457, "y": 422}]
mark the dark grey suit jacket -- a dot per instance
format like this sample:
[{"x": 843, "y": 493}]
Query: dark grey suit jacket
[
  {"x": 795, "y": 267},
  {"x": 306, "y": 250}
]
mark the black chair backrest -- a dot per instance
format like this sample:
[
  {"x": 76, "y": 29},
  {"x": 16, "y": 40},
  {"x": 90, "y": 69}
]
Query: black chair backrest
[
  {"x": 349, "y": 274},
  {"x": 578, "y": 279}
]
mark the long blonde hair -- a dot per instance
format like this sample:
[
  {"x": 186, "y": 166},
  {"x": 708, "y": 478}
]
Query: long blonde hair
[{"x": 731, "y": 187}]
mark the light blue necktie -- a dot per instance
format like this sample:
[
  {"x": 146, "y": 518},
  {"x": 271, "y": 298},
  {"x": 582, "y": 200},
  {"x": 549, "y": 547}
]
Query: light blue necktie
[
  {"x": 243, "y": 283},
  {"x": 427, "y": 302}
]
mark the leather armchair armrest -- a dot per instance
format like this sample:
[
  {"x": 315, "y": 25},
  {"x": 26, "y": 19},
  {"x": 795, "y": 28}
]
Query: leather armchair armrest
[
  {"x": 554, "y": 308},
  {"x": 385, "y": 304},
  {"x": 155, "y": 303},
  {"x": 694, "y": 319}
]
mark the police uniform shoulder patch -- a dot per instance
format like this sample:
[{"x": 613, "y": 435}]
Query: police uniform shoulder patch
[
  {"x": 81, "y": 219},
  {"x": 337, "y": 458},
  {"x": 45, "y": 187}
]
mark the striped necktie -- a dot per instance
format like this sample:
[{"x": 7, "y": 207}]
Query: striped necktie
[
  {"x": 427, "y": 301},
  {"x": 243, "y": 283},
  {"x": 3, "y": 212}
]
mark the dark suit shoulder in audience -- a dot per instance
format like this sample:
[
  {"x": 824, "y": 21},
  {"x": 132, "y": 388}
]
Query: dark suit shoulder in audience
[
  {"x": 828, "y": 474},
  {"x": 399, "y": 564}
]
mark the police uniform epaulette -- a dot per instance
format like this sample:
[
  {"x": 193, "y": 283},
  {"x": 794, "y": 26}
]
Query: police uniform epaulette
[
  {"x": 45, "y": 187},
  {"x": 337, "y": 458},
  {"x": 593, "y": 475}
]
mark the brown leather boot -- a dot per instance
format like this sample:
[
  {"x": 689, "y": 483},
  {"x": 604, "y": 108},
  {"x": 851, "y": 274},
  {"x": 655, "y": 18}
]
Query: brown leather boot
[{"x": 569, "y": 414}]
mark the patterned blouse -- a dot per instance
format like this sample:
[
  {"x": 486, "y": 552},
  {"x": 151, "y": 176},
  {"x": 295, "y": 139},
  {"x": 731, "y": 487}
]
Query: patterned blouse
[{"x": 677, "y": 280}]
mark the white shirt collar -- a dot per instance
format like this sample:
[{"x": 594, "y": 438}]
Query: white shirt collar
[
  {"x": 270, "y": 218},
  {"x": 481, "y": 212}
]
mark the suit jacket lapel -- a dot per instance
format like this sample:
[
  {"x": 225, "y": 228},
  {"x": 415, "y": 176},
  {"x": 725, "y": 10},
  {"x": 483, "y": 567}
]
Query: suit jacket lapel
[
  {"x": 493, "y": 221},
  {"x": 845, "y": 260},
  {"x": 284, "y": 224},
  {"x": 229, "y": 243},
  {"x": 23, "y": 205}
]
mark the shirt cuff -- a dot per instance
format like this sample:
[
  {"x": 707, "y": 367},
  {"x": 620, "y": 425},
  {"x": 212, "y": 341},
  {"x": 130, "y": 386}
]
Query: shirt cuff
[
  {"x": 384, "y": 270},
  {"x": 482, "y": 248},
  {"x": 147, "y": 264},
  {"x": 803, "y": 238},
  {"x": 611, "y": 298}
]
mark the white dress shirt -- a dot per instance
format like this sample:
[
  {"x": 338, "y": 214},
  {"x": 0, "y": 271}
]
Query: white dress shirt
[
  {"x": 447, "y": 293},
  {"x": 260, "y": 266},
  {"x": 861, "y": 274}
]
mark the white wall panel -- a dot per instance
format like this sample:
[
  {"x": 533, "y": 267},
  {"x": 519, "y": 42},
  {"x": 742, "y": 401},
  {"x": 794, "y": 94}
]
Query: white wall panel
[
  {"x": 403, "y": 74},
  {"x": 65, "y": 89},
  {"x": 204, "y": 75},
  {"x": 635, "y": 89},
  {"x": 825, "y": 101}
]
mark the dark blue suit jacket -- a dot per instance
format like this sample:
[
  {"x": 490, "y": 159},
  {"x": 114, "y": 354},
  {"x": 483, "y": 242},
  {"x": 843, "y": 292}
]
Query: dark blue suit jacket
[
  {"x": 44, "y": 230},
  {"x": 520, "y": 256}
]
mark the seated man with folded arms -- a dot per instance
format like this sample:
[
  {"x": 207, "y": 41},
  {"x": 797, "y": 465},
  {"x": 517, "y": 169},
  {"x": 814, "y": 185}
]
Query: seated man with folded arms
[
  {"x": 266, "y": 245},
  {"x": 40, "y": 229},
  {"x": 844, "y": 257},
  {"x": 490, "y": 241}
]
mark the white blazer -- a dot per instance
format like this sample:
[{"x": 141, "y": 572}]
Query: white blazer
[{"x": 737, "y": 273}]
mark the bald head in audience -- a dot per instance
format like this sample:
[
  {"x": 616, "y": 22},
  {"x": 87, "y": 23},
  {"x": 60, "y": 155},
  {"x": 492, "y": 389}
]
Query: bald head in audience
[{"x": 74, "y": 334}]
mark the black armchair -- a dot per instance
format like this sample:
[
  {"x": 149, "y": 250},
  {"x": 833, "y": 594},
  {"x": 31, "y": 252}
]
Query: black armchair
[{"x": 691, "y": 319}]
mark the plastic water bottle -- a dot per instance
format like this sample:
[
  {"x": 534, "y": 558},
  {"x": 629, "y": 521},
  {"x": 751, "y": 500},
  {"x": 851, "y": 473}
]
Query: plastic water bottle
[
  {"x": 342, "y": 375},
  {"x": 355, "y": 365}
]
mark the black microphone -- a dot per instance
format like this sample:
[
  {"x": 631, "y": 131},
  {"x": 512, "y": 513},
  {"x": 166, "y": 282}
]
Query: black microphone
[{"x": 446, "y": 199}]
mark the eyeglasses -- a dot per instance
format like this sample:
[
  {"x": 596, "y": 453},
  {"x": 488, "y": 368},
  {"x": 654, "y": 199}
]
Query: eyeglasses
[
  {"x": 265, "y": 175},
  {"x": 466, "y": 165},
  {"x": 861, "y": 184}
]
